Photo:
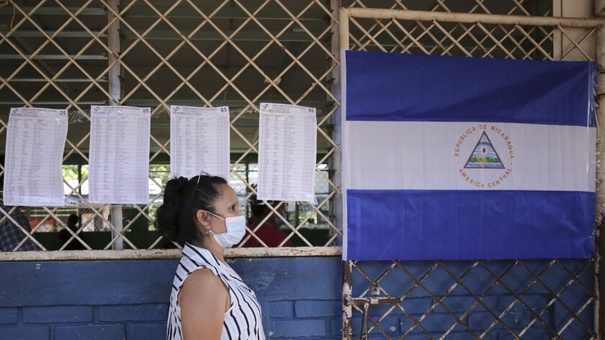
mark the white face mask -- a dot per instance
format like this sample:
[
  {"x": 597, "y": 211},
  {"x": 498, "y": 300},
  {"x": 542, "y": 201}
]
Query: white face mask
[{"x": 236, "y": 229}]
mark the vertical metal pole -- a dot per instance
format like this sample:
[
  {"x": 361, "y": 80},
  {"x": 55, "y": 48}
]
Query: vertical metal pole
[
  {"x": 80, "y": 179},
  {"x": 363, "y": 335},
  {"x": 115, "y": 90},
  {"x": 339, "y": 44},
  {"x": 599, "y": 284},
  {"x": 336, "y": 159},
  {"x": 113, "y": 42},
  {"x": 600, "y": 189},
  {"x": 347, "y": 291}
]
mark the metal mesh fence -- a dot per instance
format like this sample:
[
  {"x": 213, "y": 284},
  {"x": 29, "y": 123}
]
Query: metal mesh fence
[{"x": 74, "y": 54}]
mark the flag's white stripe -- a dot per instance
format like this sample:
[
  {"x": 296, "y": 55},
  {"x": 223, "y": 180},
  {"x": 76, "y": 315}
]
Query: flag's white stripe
[{"x": 432, "y": 156}]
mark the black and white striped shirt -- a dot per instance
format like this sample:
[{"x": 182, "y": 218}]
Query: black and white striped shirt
[{"x": 243, "y": 319}]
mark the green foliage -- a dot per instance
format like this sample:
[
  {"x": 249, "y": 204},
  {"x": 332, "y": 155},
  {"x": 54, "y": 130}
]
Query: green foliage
[
  {"x": 161, "y": 171},
  {"x": 70, "y": 172}
]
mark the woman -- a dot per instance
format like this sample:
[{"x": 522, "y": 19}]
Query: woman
[{"x": 209, "y": 300}]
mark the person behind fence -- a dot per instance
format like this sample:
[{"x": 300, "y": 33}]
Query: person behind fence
[
  {"x": 11, "y": 234},
  {"x": 209, "y": 300},
  {"x": 73, "y": 222},
  {"x": 265, "y": 223}
]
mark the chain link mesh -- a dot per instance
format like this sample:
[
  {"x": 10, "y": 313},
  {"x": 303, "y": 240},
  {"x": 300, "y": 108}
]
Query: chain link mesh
[
  {"x": 61, "y": 54},
  {"x": 74, "y": 54}
]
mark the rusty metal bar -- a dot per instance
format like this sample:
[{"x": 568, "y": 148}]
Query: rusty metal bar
[
  {"x": 347, "y": 290},
  {"x": 363, "y": 335},
  {"x": 164, "y": 253},
  {"x": 371, "y": 301},
  {"x": 471, "y": 18}
]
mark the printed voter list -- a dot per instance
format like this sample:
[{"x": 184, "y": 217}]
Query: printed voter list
[
  {"x": 35, "y": 142},
  {"x": 287, "y": 152},
  {"x": 199, "y": 141},
  {"x": 119, "y": 154}
]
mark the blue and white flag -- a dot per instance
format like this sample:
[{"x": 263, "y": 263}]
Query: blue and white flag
[{"x": 466, "y": 158}]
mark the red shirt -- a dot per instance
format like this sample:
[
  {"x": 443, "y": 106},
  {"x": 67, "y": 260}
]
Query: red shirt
[{"x": 271, "y": 237}]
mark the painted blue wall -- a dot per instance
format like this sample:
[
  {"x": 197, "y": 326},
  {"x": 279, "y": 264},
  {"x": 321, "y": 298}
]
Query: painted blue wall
[{"x": 300, "y": 296}]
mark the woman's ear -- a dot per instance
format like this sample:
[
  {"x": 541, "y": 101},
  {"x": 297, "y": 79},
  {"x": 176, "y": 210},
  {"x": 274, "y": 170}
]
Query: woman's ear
[{"x": 203, "y": 218}]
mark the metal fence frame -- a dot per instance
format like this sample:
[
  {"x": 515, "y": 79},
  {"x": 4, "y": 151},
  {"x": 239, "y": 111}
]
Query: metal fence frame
[
  {"x": 110, "y": 84},
  {"x": 371, "y": 295},
  {"x": 339, "y": 19}
]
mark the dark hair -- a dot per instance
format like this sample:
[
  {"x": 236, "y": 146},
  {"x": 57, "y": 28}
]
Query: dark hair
[
  {"x": 182, "y": 199},
  {"x": 260, "y": 208},
  {"x": 73, "y": 219}
]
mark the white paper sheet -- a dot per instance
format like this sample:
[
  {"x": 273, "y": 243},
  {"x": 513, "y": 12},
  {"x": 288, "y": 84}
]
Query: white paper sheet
[
  {"x": 199, "y": 141},
  {"x": 35, "y": 142},
  {"x": 119, "y": 155},
  {"x": 287, "y": 152}
]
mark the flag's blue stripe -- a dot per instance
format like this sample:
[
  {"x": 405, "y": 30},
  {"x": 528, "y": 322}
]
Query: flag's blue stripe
[
  {"x": 430, "y": 225},
  {"x": 408, "y": 87}
]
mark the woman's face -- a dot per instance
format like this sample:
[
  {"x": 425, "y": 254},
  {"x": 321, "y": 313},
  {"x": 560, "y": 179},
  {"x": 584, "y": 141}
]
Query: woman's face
[{"x": 226, "y": 206}]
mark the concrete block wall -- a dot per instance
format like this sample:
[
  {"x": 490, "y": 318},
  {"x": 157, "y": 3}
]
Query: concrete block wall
[
  {"x": 107, "y": 300},
  {"x": 300, "y": 297}
]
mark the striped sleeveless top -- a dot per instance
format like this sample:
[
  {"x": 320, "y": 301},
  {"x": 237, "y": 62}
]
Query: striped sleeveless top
[{"x": 243, "y": 319}]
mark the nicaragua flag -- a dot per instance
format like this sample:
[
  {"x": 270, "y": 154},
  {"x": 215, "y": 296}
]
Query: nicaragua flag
[{"x": 465, "y": 158}]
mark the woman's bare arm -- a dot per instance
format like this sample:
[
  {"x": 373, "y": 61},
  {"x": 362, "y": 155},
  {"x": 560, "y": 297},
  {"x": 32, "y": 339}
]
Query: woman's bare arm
[{"x": 203, "y": 300}]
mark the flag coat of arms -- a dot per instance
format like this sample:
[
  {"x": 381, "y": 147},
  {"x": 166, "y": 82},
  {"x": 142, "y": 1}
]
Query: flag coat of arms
[{"x": 467, "y": 158}]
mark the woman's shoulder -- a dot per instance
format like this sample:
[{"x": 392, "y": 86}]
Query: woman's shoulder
[
  {"x": 199, "y": 255},
  {"x": 195, "y": 258},
  {"x": 204, "y": 277}
]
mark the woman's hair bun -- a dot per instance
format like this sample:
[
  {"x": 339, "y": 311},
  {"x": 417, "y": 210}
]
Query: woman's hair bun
[
  {"x": 169, "y": 219},
  {"x": 180, "y": 183},
  {"x": 175, "y": 188}
]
